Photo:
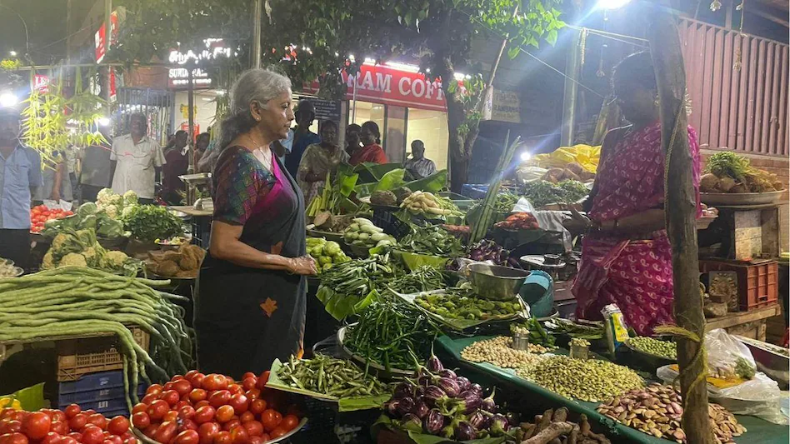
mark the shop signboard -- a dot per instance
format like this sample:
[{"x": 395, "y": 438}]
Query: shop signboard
[
  {"x": 41, "y": 83},
  {"x": 502, "y": 106},
  {"x": 100, "y": 37},
  {"x": 391, "y": 86},
  {"x": 326, "y": 109},
  {"x": 179, "y": 78}
]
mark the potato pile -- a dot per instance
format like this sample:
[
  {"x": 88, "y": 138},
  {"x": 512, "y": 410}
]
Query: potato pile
[
  {"x": 727, "y": 172},
  {"x": 182, "y": 263}
]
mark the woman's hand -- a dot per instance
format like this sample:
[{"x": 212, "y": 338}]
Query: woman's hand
[
  {"x": 303, "y": 265},
  {"x": 578, "y": 223}
]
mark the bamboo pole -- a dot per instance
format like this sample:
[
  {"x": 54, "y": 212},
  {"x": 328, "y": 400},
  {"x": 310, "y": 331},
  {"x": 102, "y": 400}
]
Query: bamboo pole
[{"x": 680, "y": 206}]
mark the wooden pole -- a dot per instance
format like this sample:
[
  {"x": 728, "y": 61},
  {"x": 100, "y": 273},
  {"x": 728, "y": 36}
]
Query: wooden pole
[
  {"x": 256, "y": 33},
  {"x": 680, "y": 206}
]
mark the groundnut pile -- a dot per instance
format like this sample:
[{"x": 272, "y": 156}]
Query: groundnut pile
[
  {"x": 498, "y": 351},
  {"x": 656, "y": 410}
]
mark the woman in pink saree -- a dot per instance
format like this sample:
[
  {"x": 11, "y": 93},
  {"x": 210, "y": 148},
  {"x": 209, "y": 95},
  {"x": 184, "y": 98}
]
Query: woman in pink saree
[{"x": 626, "y": 256}]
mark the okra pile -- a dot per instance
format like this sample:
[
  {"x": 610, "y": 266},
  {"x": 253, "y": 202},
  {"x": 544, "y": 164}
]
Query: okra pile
[{"x": 331, "y": 377}]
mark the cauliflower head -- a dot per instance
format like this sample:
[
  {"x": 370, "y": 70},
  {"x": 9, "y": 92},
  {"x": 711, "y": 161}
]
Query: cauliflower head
[
  {"x": 116, "y": 259},
  {"x": 105, "y": 196},
  {"x": 112, "y": 211},
  {"x": 48, "y": 262},
  {"x": 59, "y": 241},
  {"x": 127, "y": 211},
  {"x": 130, "y": 198},
  {"x": 73, "y": 259}
]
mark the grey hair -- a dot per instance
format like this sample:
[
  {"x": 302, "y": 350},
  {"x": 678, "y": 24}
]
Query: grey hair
[{"x": 260, "y": 85}]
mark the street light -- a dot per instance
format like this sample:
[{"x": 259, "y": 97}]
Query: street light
[
  {"x": 525, "y": 156},
  {"x": 8, "y": 99},
  {"x": 103, "y": 121},
  {"x": 12, "y": 53},
  {"x": 612, "y": 4}
]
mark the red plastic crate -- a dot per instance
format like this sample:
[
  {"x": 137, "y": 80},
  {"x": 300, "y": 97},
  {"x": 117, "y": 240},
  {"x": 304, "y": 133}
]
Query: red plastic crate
[{"x": 758, "y": 284}]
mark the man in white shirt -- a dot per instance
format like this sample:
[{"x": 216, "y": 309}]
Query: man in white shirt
[{"x": 135, "y": 160}]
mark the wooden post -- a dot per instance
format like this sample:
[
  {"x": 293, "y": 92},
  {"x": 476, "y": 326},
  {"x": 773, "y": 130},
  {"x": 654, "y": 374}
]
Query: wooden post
[{"x": 680, "y": 208}]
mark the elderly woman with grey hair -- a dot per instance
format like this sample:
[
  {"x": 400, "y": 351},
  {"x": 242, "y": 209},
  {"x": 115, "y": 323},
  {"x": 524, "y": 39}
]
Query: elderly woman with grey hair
[{"x": 250, "y": 306}]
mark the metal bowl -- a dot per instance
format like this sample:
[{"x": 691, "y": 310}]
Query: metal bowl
[{"x": 495, "y": 282}]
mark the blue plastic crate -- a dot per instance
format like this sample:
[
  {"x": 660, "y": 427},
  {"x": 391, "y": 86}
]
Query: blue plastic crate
[
  {"x": 109, "y": 405},
  {"x": 104, "y": 394},
  {"x": 92, "y": 382}
]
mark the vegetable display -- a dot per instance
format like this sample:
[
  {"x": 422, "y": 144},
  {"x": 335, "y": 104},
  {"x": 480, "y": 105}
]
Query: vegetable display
[
  {"x": 431, "y": 240},
  {"x": 663, "y": 349},
  {"x": 519, "y": 221},
  {"x": 541, "y": 193},
  {"x": 115, "y": 205},
  {"x": 150, "y": 222},
  {"x": 582, "y": 329},
  {"x": 727, "y": 172},
  {"x": 83, "y": 301},
  {"x": 588, "y": 380},
  {"x": 40, "y": 214},
  {"x": 429, "y": 204},
  {"x": 88, "y": 216},
  {"x": 197, "y": 408},
  {"x": 657, "y": 410},
  {"x": 69, "y": 426},
  {"x": 330, "y": 376},
  {"x": 182, "y": 263},
  {"x": 424, "y": 278},
  {"x": 488, "y": 250},
  {"x": 81, "y": 249},
  {"x": 444, "y": 404},
  {"x": 349, "y": 287},
  {"x": 533, "y": 328},
  {"x": 461, "y": 303},
  {"x": 390, "y": 334},
  {"x": 363, "y": 233},
  {"x": 326, "y": 254},
  {"x": 500, "y": 352}
]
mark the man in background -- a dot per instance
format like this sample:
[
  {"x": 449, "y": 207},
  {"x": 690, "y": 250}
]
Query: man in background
[
  {"x": 136, "y": 160},
  {"x": 95, "y": 173},
  {"x": 20, "y": 176},
  {"x": 303, "y": 137},
  {"x": 176, "y": 164},
  {"x": 418, "y": 166}
]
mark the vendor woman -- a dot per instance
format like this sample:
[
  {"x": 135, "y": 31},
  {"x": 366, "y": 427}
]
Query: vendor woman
[
  {"x": 250, "y": 306},
  {"x": 626, "y": 256}
]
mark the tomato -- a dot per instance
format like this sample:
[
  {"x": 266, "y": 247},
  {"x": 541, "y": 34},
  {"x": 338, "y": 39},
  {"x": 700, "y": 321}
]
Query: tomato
[
  {"x": 204, "y": 414},
  {"x": 16, "y": 438},
  {"x": 130, "y": 440},
  {"x": 141, "y": 420},
  {"x": 257, "y": 406},
  {"x": 253, "y": 394},
  {"x": 56, "y": 415},
  {"x": 197, "y": 395},
  {"x": 207, "y": 432},
  {"x": 154, "y": 389},
  {"x": 67, "y": 440},
  {"x": 92, "y": 434},
  {"x": 235, "y": 388},
  {"x": 36, "y": 425},
  {"x": 139, "y": 407},
  {"x": 118, "y": 425},
  {"x": 112, "y": 439},
  {"x": 249, "y": 383},
  {"x": 187, "y": 424},
  {"x": 171, "y": 415},
  {"x": 278, "y": 432},
  {"x": 270, "y": 419},
  {"x": 158, "y": 409},
  {"x": 182, "y": 387},
  {"x": 289, "y": 422},
  {"x": 51, "y": 438},
  {"x": 60, "y": 427},
  {"x": 10, "y": 426},
  {"x": 167, "y": 386},
  {"x": 224, "y": 413},
  {"x": 197, "y": 380},
  {"x": 230, "y": 424},
  {"x": 262, "y": 380},
  {"x": 246, "y": 417},
  {"x": 256, "y": 440},
  {"x": 239, "y": 435},
  {"x": 253, "y": 428},
  {"x": 98, "y": 420},
  {"x": 166, "y": 432},
  {"x": 265, "y": 437},
  {"x": 188, "y": 437},
  {"x": 219, "y": 398},
  {"x": 240, "y": 403},
  {"x": 202, "y": 403},
  {"x": 183, "y": 403},
  {"x": 219, "y": 438},
  {"x": 77, "y": 436},
  {"x": 215, "y": 382},
  {"x": 151, "y": 430},
  {"x": 170, "y": 396},
  {"x": 148, "y": 399},
  {"x": 188, "y": 375}
]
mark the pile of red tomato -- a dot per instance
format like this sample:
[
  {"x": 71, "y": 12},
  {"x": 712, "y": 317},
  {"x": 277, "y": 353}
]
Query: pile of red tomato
[
  {"x": 40, "y": 214},
  {"x": 214, "y": 409},
  {"x": 71, "y": 426}
]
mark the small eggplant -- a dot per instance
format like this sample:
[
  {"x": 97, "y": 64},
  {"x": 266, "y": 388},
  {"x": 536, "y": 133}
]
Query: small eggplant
[
  {"x": 447, "y": 373},
  {"x": 476, "y": 388},
  {"x": 478, "y": 420},
  {"x": 465, "y": 432},
  {"x": 405, "y": 405},
  {"x": 433, "y": 422},
  {"x": 488, "y": 403},
  {"x": 469, "y": 402},
  {"x": 449, "y": 386},
  {"x": 392, "y": 407},
  {"x": 433, "y": 394},
  {"x": 424, "y": 380},
  {"x": 411, "y": 422},
  {"x": 463, "y": 383},
  {"x": 499, "y": 425},
  {"x": 513, "y": 418},
  {"x": 434, "y": 364},
  {"x": 420, "y": 409},
  {"x": 403, "y": 390}
]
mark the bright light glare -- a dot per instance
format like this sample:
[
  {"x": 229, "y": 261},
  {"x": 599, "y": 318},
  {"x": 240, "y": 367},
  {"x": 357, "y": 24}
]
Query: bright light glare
[
  {"x": 103, "y": 121},
  {"x": 220, "y": 92},
  {"x": 612, "y": 4},
  {"x": 8, "y": 99},
  {"x": 12, "y": 53},
  {"x": 525, "y": 156}
]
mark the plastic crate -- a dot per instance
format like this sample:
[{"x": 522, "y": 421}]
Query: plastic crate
[
  {"x": 103, "y": 392},
  {"x": 387, "y": 221},
  {"x": 758, "y": 284},
  {"x": 80, "y": 356}
]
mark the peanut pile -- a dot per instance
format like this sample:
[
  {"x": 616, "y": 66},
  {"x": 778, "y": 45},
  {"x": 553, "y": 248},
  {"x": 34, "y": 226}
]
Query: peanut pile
[{"x": 499, "y": 351}]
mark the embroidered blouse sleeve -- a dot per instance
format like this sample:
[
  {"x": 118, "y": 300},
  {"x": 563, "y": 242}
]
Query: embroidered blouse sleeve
[{"x": 239, "y": 185}]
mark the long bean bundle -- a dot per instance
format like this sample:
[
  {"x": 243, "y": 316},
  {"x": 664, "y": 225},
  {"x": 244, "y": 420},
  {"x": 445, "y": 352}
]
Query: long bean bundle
[{"x": 80, "y": 301}]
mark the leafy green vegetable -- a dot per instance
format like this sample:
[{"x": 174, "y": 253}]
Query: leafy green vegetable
[
  {"x": 541, "y": 193},
  {"x": 150, "y": 222},
  {"x": 728, "y": 164}
]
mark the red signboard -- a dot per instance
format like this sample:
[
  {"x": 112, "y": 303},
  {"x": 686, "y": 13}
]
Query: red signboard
[
  {"x": 41, "y": 83},
  {"x": 100, "y": 37},
  {"x": 384, "y": 84}
]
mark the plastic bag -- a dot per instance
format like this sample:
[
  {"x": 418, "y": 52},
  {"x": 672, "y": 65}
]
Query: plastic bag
[{"x": 759, "y": 396}]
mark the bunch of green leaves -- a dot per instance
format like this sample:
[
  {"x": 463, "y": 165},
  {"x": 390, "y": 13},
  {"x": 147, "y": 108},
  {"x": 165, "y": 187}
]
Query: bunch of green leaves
[
  {"x": 728, "y": 164},
  {"x": 150, "y": 222},
  {"x": 431, "y": 240},
  {"x": 541, "y": 192}
]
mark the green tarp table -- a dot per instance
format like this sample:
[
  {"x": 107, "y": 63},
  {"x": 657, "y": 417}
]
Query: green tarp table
[{"x": 758, "y": 430}]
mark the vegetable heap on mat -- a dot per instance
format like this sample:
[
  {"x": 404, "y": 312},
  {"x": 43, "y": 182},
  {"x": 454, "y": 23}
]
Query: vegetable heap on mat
[
  {"x": 80, "y": 249},
  {"x": 78, "y": 301}
]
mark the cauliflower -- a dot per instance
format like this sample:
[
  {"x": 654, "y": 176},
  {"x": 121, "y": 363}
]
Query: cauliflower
[
  {"x": 48, "y": 261},
  {"x": 73, "y": 259},
  {"x": 105, "y": 196},
  {"x": 91, "y": 256},
  {"x": 59, "y": 241},
  {"x": 127, "y": 211},
  {"x": 112, "y": 211},
  {"x": 116, "y": 259},
  {"x": 116, "y": 200},
  {"x": 129, "y": 198}
]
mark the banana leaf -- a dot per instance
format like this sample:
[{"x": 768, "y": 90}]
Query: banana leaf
[
  {"x": 424, "y": 438},
  {"x": 373, "y": 172},
  {"x": 341, "y": 306},
  {"x": 390, "y": 181},
  {"x": 432, "y": 184}
]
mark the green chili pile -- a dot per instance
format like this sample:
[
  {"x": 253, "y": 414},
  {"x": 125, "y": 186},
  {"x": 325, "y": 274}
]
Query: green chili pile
[
  {"x": 331, "y": 377},
  {"x": 425, "y": 278},
  {"x": 83, "y": 301},
  {"x": 348, "y": 287},
  {"x": 390, "y": 334}
]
